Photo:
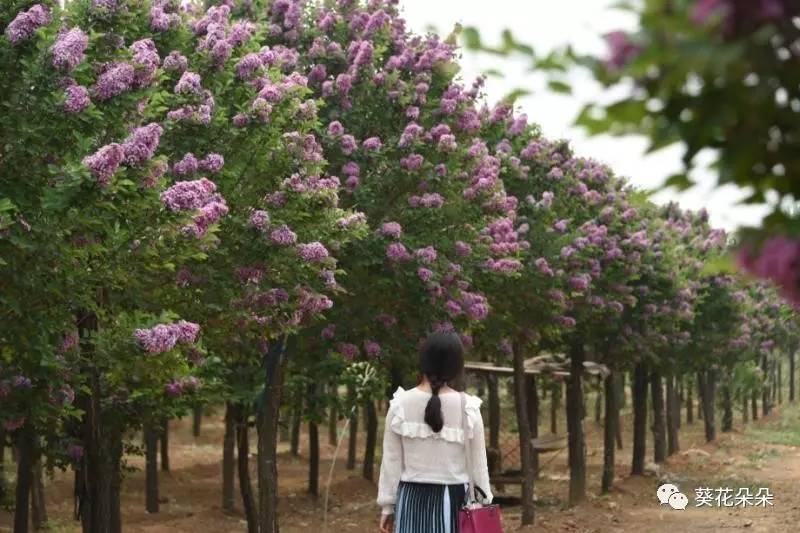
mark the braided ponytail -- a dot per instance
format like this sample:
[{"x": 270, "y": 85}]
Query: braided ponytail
[
  {"x": 441, "y": 361},
  {"x": 433, "y": 411}
]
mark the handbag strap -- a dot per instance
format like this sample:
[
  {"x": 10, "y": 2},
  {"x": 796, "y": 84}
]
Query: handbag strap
[{"x": 467, "y": 449}]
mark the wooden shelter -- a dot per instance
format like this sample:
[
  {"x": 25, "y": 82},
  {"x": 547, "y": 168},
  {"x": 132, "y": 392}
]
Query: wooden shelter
[{"x": 503, "y": 449}]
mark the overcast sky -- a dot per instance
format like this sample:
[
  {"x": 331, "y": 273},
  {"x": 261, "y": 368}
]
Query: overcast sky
[{"x": 545, "y": 25}]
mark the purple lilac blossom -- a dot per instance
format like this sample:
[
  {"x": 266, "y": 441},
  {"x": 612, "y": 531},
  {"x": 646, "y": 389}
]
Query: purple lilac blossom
[
  {"x": 26, "y": 22},
  {"x": 68, "y": 50}
]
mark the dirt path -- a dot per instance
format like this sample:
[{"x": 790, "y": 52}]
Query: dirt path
[{"x": 737, "y": 460}]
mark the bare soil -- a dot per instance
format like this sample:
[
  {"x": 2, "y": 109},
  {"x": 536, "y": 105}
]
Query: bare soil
[{"x": 738, "y": 459}]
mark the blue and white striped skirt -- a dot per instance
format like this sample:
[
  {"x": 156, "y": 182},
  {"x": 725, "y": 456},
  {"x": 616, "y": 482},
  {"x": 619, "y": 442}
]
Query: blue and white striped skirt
[{"x": 428, "y": 508}]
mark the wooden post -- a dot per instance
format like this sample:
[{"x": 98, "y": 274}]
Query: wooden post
[{"x": 554, "y": 402}]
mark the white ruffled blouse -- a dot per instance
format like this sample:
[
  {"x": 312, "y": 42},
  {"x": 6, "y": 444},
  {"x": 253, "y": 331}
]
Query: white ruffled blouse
[{"x": 412, "y": 452}]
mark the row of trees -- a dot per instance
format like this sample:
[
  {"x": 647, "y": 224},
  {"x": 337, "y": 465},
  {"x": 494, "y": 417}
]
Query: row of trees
[{"x": 214, "y": 205}]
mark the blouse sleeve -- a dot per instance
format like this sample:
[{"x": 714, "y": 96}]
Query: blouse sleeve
[
  {"x": 391, "y": 464},
  {"x": 480, "y": 467}
]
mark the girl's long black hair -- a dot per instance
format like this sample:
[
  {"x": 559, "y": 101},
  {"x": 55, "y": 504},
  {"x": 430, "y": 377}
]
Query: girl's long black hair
[{"x": 441, "y": 360}]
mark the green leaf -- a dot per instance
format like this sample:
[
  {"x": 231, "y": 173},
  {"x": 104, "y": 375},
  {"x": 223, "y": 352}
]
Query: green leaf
[
  {"x": 515, "y": 94},
  {"x": 559, "y": 87},
  {"x": 680, "y": 182},
  {"x": 472, "y": 38}
]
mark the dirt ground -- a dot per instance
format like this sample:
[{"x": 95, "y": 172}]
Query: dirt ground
[{"x": 767, "y": 454}]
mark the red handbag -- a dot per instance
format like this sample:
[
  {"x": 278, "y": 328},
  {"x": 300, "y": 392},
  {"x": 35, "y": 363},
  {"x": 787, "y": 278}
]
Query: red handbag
[{"x": 473, "y": 518}]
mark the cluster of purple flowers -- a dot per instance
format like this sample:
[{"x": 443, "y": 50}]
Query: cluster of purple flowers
[
  {"x": 142, "y": 144},
  {"x": 200, "y": 196},
  {"x": 397, "y": 252},
  {"x": 26, "y": 22},
  {"x": 164, "y": 337},
  {"x": 313, "y": 252},
  {"x": 114, "y": 80},
  {"x": 69, "y": 48},
  {"x": 161, "y": 20},
  {"x": 76, "y": 98},
  {"x": 104, "y": 163},
  {"x": 283, "y": 236}
]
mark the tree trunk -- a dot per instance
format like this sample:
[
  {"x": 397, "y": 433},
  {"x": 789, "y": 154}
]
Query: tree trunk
[
  {"x": 708, "y": 383},
  {"x": 313, "y": 458},
  {"x": 151, "y": 468},
  {"x": 576, "y": 440},
  {"x": 598, "y": 403},
  {"x": 2, "y": 464},
  {"x": 164, "y": 438},
  {"x": 639, "y": 400},
  {"x": 352, "y": 440},
  {"x": 228, "y": 458},
  {"x": 610, "y": 431},
  {"x": 372, "y": 438},
  {"x": 791, "y": 375},
  {"x": 525, "y": 443},
  {"x": 745, "y": 408},
  {"x": 659, "y": 424},
  {"x": 38, "y": 506},
  {"x": 554, "y": 401},
  {"x": 700, "y": 395},
  {"x": 115, "y": 513},
  {"x": 622, "y": 401},
  {"x": 765, "y": 400},
  {"x": 197, "y": 419},
  {"x": 494, "y": 412},
  {"x": 727, "y": 405},
  {"x": 26, "y": 458},
  {"x": 673, "y": 416},
  {"x": 754, "y": 405},
  {"x": 689, "y": 401},
  {"x": 677, "y": 383},
  {"x": 243, "y": 463},
  {"x": 333, "y": 417},
  {"x": 532, "y": 399},
  {"x": 268, "y": 438},
  {"x": 780, "y": 382},
  {"x": 297, "y": 415}
]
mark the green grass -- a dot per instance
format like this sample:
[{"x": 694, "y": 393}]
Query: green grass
[{"x": 785, "y": 431}]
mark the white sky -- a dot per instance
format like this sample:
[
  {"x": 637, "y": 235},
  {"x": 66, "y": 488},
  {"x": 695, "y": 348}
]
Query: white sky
[{"x": 546, "y": 25}]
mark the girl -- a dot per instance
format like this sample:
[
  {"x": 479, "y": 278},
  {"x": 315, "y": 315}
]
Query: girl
[{"x": 424, "y": 473}]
